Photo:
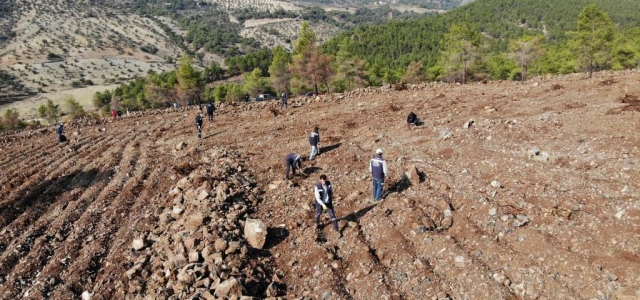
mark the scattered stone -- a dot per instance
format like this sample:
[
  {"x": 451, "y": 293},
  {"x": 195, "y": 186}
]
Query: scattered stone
[
  {"x": 445, "y": 134},
  {"x": 493, "y": 211},
  {"x": 220, "y": 245},
  {"x": 181, "y": 146},
  {"x": 194, "y": 222},
  {"x": 326, "y": 295},
  {"x": 255, "y": 232},
  {"x": 229, "y": 288},
  {"x": 619, "y": 214},
  {"x": 496, "y": 184},
  {"x": 520, "y": 220},
  {"x": 86, "y": 295},
  {"x": 459, "y": 261},
  {"x": 412, "y": 175},
  {"x": 137, "y": 244}
]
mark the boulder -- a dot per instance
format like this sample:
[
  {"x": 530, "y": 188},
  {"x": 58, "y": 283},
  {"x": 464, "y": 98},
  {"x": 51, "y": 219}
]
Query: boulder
[
  {"x": 228, "y": 288},
  {"x": 255, "y": 232},
  {"x": 181, "y": 146},
  {"x": 412, "y": 175}
]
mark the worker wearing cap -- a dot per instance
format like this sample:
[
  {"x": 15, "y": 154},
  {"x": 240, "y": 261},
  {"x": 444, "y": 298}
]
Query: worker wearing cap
[
  {"x": 324, "y": 201},
  {"x": 378, "y": 169}
]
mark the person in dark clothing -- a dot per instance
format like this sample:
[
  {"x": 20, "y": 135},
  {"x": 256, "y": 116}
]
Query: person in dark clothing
[
  {"x": 314, "y": 140},
  {"x": 323, "y": 192},
  {"x": 292, "y": 161},
  {"x": 246, "y": 99},
  {"x": 412, "y": 119},
  {"x": 283, "y": 101},
  {"x": 210, "y": 109},
  {"x": 199, "y": 125},
  {"x": 378, "y": 169},
  {"x": 60, "y": 132}
]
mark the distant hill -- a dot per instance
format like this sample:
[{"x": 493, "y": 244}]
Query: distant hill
[
  {"x": 50, "y": 45},
  {"x": 397, "y": 43}
]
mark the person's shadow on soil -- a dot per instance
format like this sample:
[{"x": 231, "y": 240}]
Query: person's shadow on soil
[
  {"x": 329, "y": 148},
  {"x": 355, "y": 216},
  {"x": 213, "y": 134},
  {"x": 310, "y": 170},
  {"x": 400, "y": 186}
]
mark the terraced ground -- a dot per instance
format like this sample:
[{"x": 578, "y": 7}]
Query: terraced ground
[{"x": 484, "y": 214}]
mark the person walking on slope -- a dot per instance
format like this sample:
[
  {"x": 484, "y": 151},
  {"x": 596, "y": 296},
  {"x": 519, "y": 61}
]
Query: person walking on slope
[
  {"x": 314, "y": 140},
  {"x": 283, "y": 101},
  {"x": 199, "y": 125},
  {"x": 324, "y": 201},
  {"x": 378, "y": 169},
  {"x": 60, "y": 132},
  {"x": 292, "y": 161},
  {"x": 210, "y": 109}
]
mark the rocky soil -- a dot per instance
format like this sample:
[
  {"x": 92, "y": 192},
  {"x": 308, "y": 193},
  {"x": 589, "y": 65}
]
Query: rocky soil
[{"x": 506, "y": 191}]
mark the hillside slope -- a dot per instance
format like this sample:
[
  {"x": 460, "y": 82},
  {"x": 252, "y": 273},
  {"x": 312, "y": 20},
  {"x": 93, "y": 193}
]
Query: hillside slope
[{"x": 536, "y": 199}]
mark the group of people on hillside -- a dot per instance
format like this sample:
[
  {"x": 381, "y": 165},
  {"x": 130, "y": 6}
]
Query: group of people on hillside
[
  {"x": 210, "y": 108},
  {"x": 323, "y": 191}
]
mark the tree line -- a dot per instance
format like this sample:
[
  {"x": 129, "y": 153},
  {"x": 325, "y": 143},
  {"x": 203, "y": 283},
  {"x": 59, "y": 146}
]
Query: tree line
[{"x": 464, "y": 53}]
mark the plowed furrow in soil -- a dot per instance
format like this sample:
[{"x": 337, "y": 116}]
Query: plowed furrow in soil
[
  {"x": 82, "y": 272},
  {"x": 86, "y": 230},
  {"x": 59, "y": 230},
  {"x": 26, "y": 173},
  {"x": 28, "y": 204},
  {"x": 18, "y": 153}
]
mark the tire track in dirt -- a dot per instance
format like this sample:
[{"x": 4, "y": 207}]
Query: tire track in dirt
[{"x": 77, "y": 204}]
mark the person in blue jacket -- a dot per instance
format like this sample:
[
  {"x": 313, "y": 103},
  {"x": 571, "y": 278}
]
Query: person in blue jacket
[
  {"x": 283, "y": 101},
  {"x": 210, "y": 109},
  {"x": 378, "y": 169},
  {"x": 199, "y": 125},
  {"x": 323, "y": 192},
  {"x": 293, "y": 161},
  {"x": 314, "y": 140},
  {"x": 60, "y": 132}
]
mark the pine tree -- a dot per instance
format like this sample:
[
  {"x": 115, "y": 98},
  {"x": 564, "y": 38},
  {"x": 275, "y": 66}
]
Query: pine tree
[
  {"x": 189, "y": 80},
  {"x": 595, "y": 36},
  {"x": 462, "y": 47},
  {"x": 414, "y": 73},
  {"x": 525, "y": 51},
  {"x": 279, "y": 72},
  {"x": 309, "y": 63},
  {"x": 349, "y": 67},
  {"x": 254, "y": 83}
]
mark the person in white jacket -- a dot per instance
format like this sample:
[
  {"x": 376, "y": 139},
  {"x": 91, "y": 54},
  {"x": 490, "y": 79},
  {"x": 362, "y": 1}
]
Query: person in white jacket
[{"x": 324, "y": 201}]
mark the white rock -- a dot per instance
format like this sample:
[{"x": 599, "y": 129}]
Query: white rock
[
  {"x": 86, "y": 295},
  {"x": 137, "y": 244},
  {"x": 255, "y": 232},
  {"x": 496, "y": 184},
  {"x": 619, "y": 214}
]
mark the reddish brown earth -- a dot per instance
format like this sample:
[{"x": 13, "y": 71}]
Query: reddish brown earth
[{"x": 481, "y": 216}]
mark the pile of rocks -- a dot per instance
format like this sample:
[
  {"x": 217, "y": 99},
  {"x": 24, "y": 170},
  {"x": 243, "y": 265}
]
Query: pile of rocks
[{"x": 204, "y": 244}]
